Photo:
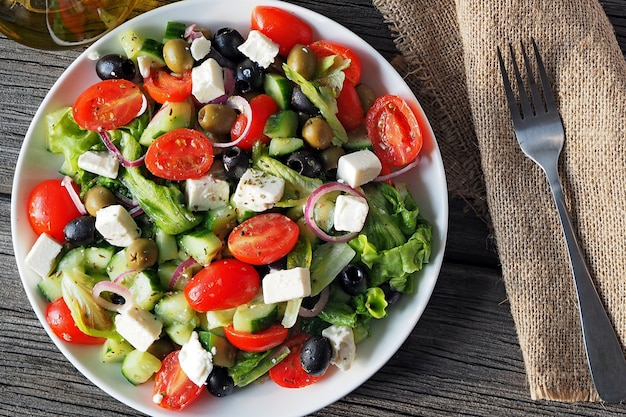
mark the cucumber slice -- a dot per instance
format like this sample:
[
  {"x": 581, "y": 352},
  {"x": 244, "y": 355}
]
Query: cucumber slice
[
  {"x": 279, "y": 88},
  {"x": 223, "y": 352},
  {"x": 201, "y": 244},
  {"x": 50, "y": 287},
  {"x": 180, "y": 332},
  {"x": 358, "y": 140},
  {"x": 284, "y": 146},
  {"x": 138, "y": 367},
  {"x": 153, "y": 51},
  {"x": 174, "y": 30},
  {"x": 282, "y": 124},
  {"x": 254, "y": 318},
  {"x": 172, "y": 115},
  {"x": 168, "y": 249},
  {"x": 74, "y": 258},
  {"x": 131, "y": 43},
  {"x": 221, "y": 220},
  {"x": 114, "y": 351},
  {"x": 117, "y": 265},
  {"x": 219, "y": 318},
  {"x": 146, "y": 290},
  {"x": 173, "y": 308},
  {"x": 97, "y": 258}
]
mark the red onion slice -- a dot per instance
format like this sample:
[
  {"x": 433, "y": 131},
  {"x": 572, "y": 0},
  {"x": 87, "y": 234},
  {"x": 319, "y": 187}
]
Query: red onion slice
[
  {"x": 180, "y": 269},
  {"x": 69, "y": 186},
  {"x": 123, "y": 274},
  {"x": 319, "y": 306},
  {"x": 113, "y": 149},
  {"x": 399, "y": 172},
  {"x": 112, "y": 287},
  {"x": 241, "y": 104}
]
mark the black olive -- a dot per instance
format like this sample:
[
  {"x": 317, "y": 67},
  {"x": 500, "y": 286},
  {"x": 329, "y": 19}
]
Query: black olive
[
  {"x": 81, "y": 230},
  {"x": 353, "y": 279},
  {"x": 392, "y": 296},
  {"x": 248, "y": 76},
  {"x": 115, "y": 66},
  {"x": 305, "y": 163},
  {"x": 118, "y": 299},
  {"x": 236, "y": 161},
  {"x": 309, "y": 302},
  {"x": 301, "y": 103},
  {"x": 220, "y": 383},
  {"x": 226, "y": 41},
  {"x": 316, "y": 355}
]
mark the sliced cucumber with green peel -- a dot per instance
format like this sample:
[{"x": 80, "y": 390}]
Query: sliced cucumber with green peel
[
  {"x": 146, "y": 289},
  {"x": 284, "y": 146},
  {"x": 97, "y": 258},
  {"x": 173, "y": 308},
  {"x": 168, "y": 249},
  {"x": 201, "y": 244},
  {"x": 138, "y": 367},
  {"x": 358, "y": 140},
  {"x": 172, "y": 115},
  {"x": 50, "y": 287},
  {"x": 114, "y": 350},
  {"x": 180, "y": 332},
  {"x": 282, "y": 124},
  {"x": 223, "y": 352},
  {"x": 221, "y": 220},
  {"x": 279, "y": 88},
  {"x": 254, "y": 318},
  {"x": 174, "y": 30}
]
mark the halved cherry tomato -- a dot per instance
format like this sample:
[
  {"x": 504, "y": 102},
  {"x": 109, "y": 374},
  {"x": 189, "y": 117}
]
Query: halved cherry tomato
[
  {"x": 107, "y": 105},
  {"x": 394, "y": 131},
  {"x": 173, "y": 386},
  {"x": 221, "y": 285},
  {"x": 256, "y": 342},
  {"x": 180, "y": 154},
  {"x": 350, "y": 112},
  {"x": 289, "y": 372},
  {"x": 59, "y": 317},
  {"x": 263, "y": 239},
  {"x": 50, "y": 208},
  {"x": 324, "y": 48},
  {"x": 263, "y": 106},
  {"x": 281, "y": 26},
  {"x": 164, "y": 86}
]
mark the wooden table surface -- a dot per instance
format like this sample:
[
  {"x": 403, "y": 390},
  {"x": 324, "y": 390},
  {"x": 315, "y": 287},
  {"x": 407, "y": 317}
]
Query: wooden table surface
[{"x": 463, "y": 357}]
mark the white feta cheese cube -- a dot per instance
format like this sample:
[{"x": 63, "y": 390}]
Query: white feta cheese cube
[
  {"x": 116, "y": 225},
  {"x": 206, "y": 193},
  {"x": 140, "y": 328},
  {"x": 358, "y": 168},
  {"x": 259, "y": 48},
  {"x": 100, "y": 163},
  {"x": 258, "y": 191},
  {"x": 43, "y": 255},
  {"x": 342, "y": 341},
  {"x": 286, "y": 284},
  {"x": 195, "y": 360},
  {"x": 200, "y": 47},
  {"x": 207, "y": 81},
  {"x": 350, "y": 213}
]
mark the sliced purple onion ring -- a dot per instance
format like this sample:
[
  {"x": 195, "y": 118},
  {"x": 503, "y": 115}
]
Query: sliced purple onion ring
[
  {"x": 113, "y": 149},
  {"x": 112, "y": 287},
  {"x": 319, "y": 306},
  {"x": 67, "y": 183},
  {"x": 241, "y": 104},
  {"x": 180, "y": 269}
]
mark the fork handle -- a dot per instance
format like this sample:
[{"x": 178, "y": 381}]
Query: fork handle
[{"x": 604, "y": 351}]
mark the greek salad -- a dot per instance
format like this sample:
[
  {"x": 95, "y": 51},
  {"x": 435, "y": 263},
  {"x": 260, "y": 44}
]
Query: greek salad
[{"x": 228, "y": 210}]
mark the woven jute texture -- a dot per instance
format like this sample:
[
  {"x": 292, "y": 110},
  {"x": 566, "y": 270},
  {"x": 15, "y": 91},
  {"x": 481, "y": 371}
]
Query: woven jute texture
[{"x": 449, "y": 59}]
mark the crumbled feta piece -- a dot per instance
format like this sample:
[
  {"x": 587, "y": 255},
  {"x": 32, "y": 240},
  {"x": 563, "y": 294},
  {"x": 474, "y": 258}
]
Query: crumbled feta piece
[
  {"x": 207, "y": 81},
  {"x": 200, "y": 47},
  {"x": 195, "y": 360},
  {"x": 157, "y": 398},
  {"x": 342, "y": 341},
  {"x": 116, "y": 225},
  {"x": 140, "y": 328},
  {"x": 43, "y": 255},
  {"x": 350, "y": 213},
  {"x": 286, "y": 284},
  {"x": 358, "y": 168},
  {"x": 100, "y": 163},
  {"x": 144, "y": 64},
  {"x": 206, "y": 193},
  {"x": 259, "y": 48},
  {"x": 258, "y": 191}
]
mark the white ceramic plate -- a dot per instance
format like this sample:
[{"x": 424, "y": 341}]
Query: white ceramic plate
[{"x": 427, "y": 183}]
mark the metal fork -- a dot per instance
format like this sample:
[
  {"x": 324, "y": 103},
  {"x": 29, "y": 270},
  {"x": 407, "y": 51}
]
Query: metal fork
[{"x": 540, "y": 134}]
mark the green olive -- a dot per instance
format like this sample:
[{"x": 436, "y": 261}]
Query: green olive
[
  {"x": 317, "y": 133},
  {"x": 217, "y": 118},
  {"x": 366, "y": 96},
  {"x": 97, "y": 198},
  {"x": 302, "y": 60},
  {"x": 142, "y": 253},
  {"x": 330, "y": 158},
  {"x": 177, "y": 55}
]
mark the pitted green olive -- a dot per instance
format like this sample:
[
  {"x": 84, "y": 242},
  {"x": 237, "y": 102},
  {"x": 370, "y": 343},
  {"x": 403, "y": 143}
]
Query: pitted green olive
[
  {"x": 97, "y": 198},
  {"x": 217, "y": 118},
  {"x": 367, "y": 96},
  {"x": 177, "y": 55},
  {"x": 302, "y": 59},
  {"x": 317, "y": 133},
  {"x": 142, "y": 253},
  {"x": 330, "y": 158}
]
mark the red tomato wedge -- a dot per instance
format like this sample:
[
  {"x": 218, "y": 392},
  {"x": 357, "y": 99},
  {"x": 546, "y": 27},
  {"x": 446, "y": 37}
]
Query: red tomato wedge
[
  {"x": 256, "y": 342},
  {"x": 108, "y": 105},
  {"x": 289, "y": 372},
  {"x": 394, "y": 130},
  {"x": 263, "y": 239},
  {"x": 221, "y": 285},
  {"x": 281, "y": 26},
  {"x": 173, "y": 386},
  {"x": 50, "y": 208},
  {"x": 324, "y": 48},
  {"x": 262, "y": 107},
  {"x": 164, "y": 86},
  {"x": 350, "y": 112},
  {"x": 180, "y": 154},
  {"x": 59, "y": 317}
]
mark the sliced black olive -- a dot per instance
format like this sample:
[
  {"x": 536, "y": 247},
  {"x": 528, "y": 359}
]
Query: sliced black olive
[
  {"x": 115, "y": 66},
  {"x": 226, "y": 41},
  {"x": 392, "y": 296},
  {"x": 305, "y": 163},
  {"x": 248, "y": 76},
  {"x": 220, "y": 383},
  {"x": 236, "y": 161},
  {"x": 353, "y": 279},
  {"x": 309, "y": 302},
  {"x": 301, "y": 103},
  {"x": 316, "y": 355},
  {"x": 81, "y": 231}
]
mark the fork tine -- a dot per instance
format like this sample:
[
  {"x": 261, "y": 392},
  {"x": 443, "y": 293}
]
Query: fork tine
[
  {"x": 510, "y": 97},
  {"x": 534, "y": 91},
  {"x": 545, "y": 82},
  {"x": 523, "y": 97}
]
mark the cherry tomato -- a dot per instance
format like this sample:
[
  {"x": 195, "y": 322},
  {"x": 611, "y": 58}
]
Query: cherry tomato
[
  {"x": 108, "y": 105},
  {"x": 263, "y": 106},
  {"x": 222, "y": 284},
  {"x": 263, "y": 239},
  {"x": 62, "y": 323},
  {"x": 324, "y": 48},
  {"x": 173, "y": 385},
  {"x": 256, "y": 342},
  {"x": 281, "y": 26},
  {"x": 180, "y": 154},
  {"x": 289, "y": 372},
  {"x": 164, "y": 86},
  {"x": 50, "y": 208},
  {"x": 394, "y": 130},
  {"x": 350, "y": 112}
]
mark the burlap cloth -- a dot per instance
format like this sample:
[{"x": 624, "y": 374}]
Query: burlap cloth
[{"x": 449, "y": 59}]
